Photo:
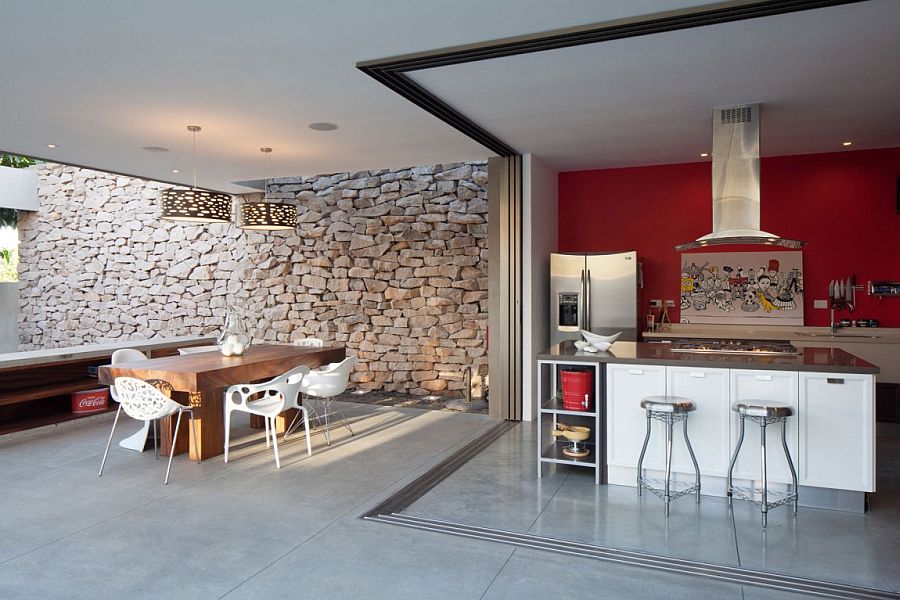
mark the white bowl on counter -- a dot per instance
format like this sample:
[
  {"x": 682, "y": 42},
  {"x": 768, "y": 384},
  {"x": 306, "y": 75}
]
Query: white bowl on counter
[
  {"x": 598, "y": 340},
  {"x": 588, "y": 347}
]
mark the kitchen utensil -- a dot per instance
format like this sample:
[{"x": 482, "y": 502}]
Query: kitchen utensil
[
  {"x": 575, "y": 434},
  {"x": 848, "y": 291},
  {"x": 839, "y": 290},
  {"x": 831, "y": 292},
  {"x": 595, "y": 339}
]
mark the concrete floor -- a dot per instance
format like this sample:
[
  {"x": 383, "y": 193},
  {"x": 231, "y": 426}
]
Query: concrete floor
[
  {"x": 841, "y": 547},
  {"x": 247, "y": 530}
]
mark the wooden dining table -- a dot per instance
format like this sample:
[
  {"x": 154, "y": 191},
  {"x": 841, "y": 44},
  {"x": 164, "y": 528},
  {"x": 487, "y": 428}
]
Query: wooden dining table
[{"x": 200, "y": 379}]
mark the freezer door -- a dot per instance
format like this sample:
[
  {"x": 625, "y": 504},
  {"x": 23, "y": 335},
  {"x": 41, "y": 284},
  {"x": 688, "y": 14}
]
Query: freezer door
[
  {"x": 567, "y": 279},
  {"x": 612, "y": 293}
]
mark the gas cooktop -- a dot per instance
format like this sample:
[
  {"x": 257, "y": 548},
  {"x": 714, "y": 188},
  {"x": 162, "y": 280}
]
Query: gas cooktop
[{"x": 734, "y": 347}]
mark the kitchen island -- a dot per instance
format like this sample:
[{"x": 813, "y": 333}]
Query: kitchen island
[{"x": 831, "y": 436}]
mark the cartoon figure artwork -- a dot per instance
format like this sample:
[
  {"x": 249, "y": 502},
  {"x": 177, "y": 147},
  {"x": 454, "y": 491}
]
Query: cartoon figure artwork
[{"x": 742, "y": 287}]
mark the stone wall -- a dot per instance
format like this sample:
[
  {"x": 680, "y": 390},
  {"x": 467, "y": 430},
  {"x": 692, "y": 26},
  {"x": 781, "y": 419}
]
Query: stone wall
[{"x": 392, "y": 264}]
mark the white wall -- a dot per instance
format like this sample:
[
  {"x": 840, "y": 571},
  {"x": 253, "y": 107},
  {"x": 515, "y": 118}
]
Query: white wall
[
  {"x": 9, "y": 322},
  {"x": 18, "y": 188},
  {"x": 539, "y": 240}
]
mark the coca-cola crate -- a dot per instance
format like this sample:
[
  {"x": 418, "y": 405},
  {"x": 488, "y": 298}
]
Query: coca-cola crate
[{"x": 90, "y": 401}]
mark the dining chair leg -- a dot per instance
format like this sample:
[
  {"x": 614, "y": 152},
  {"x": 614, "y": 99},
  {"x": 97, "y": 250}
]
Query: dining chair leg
[
  {"x": 306, "y": 429},
  {"x": 172, "y": 451},
  {"x": 194, "y": 435},
  {"x": 275, "y": 445},
  {"x": 155, "y": 441},
  {"x": 344, "y": 418},
  {"x": 109, "y": 442},
  {"x": 326, "y": 407},
  {"x": 294, "y": 423},
  {"x": 227, "y": 430},
  {"x": 268, "y": 434}
]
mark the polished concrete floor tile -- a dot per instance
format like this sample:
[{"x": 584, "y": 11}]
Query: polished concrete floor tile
[
  {"x": 499, "y": 489},
  {"x": 613, "y": 516},
  {"x": 363, "y": 559},
  {"x": 215, "y": 525},
  {"x": 532, "y": 574}
]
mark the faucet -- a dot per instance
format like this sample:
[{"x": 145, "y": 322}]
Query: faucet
[{"x": 845, "y": 304}]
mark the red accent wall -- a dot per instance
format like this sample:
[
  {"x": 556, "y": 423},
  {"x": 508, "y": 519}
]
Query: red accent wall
[{"x": 843, "y": 204}]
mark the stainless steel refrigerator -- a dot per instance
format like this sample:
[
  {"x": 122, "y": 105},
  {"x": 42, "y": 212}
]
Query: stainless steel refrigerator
[{"x": 597, "y": 292}]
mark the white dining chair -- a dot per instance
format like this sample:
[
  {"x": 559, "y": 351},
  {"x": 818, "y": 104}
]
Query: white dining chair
[
  {"x": 143, "y": 402},
  {"x": 309, "y": 342},
  {"x": 268, "y": 400},
  {"x": 138, "y": 440},
  {"x": 197, "y": 349},
  {"x": 324, "y": 384}
]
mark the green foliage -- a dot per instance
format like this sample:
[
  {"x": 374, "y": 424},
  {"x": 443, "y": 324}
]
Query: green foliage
[
  {"x": 9, "y": 217},
  {"x": 15, "y": 161},
  {"x": 9, "y": 265}
]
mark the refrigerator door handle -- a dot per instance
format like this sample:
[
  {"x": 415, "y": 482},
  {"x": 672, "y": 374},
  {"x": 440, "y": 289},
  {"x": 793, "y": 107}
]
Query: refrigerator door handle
[
  {"x": 582, "y": 310},
  {"x": 587, "y": 302}
]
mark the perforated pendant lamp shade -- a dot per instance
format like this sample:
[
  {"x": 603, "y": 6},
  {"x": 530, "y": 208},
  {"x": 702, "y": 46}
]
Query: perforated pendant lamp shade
[
  {"x": 188, "y": 204},
  {"x": 267, "y": 216},
  {"x": 195, "y": 206}
]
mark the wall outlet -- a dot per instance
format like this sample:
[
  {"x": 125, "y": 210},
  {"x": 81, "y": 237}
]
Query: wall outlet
[
  {"x": 656, "y": 304},
  {"x": 670, "y": 303},
  {"x": 820, "y": 303}
]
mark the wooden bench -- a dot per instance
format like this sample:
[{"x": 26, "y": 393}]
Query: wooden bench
[{"x": 36, "y": 386}]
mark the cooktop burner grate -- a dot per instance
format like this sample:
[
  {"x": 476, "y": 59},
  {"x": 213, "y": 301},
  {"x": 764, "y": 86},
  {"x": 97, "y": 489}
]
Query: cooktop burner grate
[{"x": 735, "y": 347}]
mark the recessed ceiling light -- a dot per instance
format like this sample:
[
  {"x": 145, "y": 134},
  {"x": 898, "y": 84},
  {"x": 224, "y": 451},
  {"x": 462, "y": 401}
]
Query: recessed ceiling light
[
  {"x": 704, "y": 154},
  {"x": 155, "y": 149},
  {"x": 847, "y": 143},
  {"x": 320, "y": 126},
  {"x": 176, "y": 171},
  {"x": 51, "y": 145}
]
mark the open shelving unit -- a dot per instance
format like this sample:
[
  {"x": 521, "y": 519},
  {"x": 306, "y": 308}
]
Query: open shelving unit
[{"x": 551, "y": 411}]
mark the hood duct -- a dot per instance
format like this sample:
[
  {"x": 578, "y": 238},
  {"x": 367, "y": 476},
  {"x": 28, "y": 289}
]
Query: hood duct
[{"x": 735, "y": 182}]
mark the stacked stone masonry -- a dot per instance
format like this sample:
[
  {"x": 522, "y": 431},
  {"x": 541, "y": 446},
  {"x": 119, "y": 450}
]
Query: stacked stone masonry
[{"x": 391, "y": 264}]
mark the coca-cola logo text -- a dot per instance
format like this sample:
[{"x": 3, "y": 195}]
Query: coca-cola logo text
[{"x": 92, "y": 402}]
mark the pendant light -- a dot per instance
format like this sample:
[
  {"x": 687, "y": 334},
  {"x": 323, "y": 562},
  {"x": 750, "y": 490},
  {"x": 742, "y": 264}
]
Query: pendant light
[
  {"x": 190, "y": 204},
  {"x": 265, "y": 215}
]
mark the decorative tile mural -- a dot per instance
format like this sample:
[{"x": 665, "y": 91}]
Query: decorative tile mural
[{"x": 742, "y": 288}]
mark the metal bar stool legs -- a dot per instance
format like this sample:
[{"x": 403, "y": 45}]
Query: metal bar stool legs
[
  {"x": 668, "y": 409},
  {"x": 765, "y": 414}
]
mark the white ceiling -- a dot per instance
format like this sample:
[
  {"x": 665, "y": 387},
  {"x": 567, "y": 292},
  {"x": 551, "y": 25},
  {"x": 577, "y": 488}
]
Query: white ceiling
[
  {"x": 822, "y": 76},
  {"x": 103, "y": 79}
]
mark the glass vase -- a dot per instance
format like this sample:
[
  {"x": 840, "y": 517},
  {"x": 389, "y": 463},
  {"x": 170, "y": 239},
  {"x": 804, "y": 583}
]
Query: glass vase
[{"x": 234, "y": 339}]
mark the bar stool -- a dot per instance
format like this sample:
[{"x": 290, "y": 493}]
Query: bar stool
[
  {"x": 765, "y": 413},
  {"x": 670, "y": 410}
]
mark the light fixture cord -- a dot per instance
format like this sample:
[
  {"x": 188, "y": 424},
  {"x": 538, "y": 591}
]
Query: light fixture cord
[{"x": 194, "y": 156}]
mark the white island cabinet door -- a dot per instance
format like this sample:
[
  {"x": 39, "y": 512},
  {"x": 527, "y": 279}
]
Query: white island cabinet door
[
  {"x": 837, "y": 431},
  {"x": 626, "y": 386},
  {"x": 708, "y": 426},
  {"x": 779, "y": 386}
]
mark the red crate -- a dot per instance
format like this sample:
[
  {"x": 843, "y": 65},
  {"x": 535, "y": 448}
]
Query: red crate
[{"x": 90, "y": 401}]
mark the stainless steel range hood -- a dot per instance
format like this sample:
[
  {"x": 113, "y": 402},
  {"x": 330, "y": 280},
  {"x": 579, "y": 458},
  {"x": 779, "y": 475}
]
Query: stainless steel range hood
[{"x": 735, "y": 182}]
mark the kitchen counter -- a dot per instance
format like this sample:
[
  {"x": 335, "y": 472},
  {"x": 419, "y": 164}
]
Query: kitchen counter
[
  {"x": 828, "y": 360},
  {"x": 880, "y": 335}
]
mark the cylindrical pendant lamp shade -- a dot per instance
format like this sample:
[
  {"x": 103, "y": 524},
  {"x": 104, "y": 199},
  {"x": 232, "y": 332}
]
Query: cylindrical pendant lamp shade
[
  {"x": 267, "y": 216},
  {"x": 195, "y": 206}
]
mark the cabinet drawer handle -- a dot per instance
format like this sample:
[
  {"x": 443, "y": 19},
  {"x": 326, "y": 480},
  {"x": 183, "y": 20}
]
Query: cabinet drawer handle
[
  {"x": 635, "y": 371},
  {"x": 698, "y": 374},
  {"x": 835, "y": 380},
  {"x": 764, "y": 378}
]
